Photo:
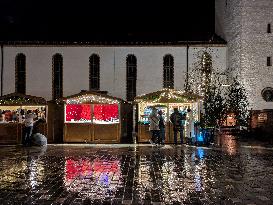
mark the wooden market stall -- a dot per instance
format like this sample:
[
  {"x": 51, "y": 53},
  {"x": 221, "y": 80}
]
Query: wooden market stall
[
  {"x": 93, "y": 117},
  {"x": 166, "y": 100},
  {"x": 13, "y": 108}
]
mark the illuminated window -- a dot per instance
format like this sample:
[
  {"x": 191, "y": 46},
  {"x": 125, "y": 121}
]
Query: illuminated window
[
  {"x": 57, "y": 84},
  {"x": 20, "y": 73},
  {"x": 131, "y": 76},
  {"x": 94, "y": 72},
  {"x": 268, "y": 61},
  {"x": 78, "y": 113},
  {"x": 168, "y": 72},
  {"x": 106, "y": 114},
  {"x": 96, "y": 113},
  {"x": 269, "y": 28}
]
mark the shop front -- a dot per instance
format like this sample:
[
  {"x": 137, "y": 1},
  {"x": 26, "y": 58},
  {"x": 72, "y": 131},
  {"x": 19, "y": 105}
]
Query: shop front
[
  {"x": 93, "y": 117},
  {"x": 13, "y": 108},
  {"x": 166, "y": 100}
]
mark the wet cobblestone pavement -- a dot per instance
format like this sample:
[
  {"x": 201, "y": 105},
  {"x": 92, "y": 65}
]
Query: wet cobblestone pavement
[{"x": 131, "y": 174}]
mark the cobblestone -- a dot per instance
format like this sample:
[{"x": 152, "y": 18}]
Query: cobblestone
[{"x": 135, "y": 174}]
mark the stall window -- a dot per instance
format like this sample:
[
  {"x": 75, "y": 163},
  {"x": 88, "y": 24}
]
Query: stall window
[
  {"x": 57, "y": 84},
  {"x": 78, "y": 113},
  {"x": 94, "y": 72},
  {"x": 131, "y": 76},
  {"x": 106, "y": 114},
  {"x": 20, "y": 73},
  {"x": 168, "y": 71}
]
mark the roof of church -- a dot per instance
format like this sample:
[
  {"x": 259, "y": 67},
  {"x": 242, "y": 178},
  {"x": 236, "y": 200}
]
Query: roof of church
[{"x": 130, "y": 39}]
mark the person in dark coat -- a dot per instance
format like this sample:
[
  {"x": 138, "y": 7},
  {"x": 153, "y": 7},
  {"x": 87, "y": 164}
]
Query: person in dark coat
[
  {"x": 154, "y": 128},
  {"x": 161, "y": 128},
  {"x": 177, "y": 120}
]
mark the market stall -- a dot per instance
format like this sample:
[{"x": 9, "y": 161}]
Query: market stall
[
  {"x": 93, "y": 117},
  {"x": 166, "y": 100},
  {"x": 13, "y": 108}
]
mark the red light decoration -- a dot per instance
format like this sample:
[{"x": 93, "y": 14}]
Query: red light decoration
[
  {"x": 106, "y": 112},
  {"x": 82, "y": 168},
  {"x": 78, "y": 112}
]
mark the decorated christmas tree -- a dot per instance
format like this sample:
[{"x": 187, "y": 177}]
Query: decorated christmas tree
[
  {"x": 237, "y": 102},
  {"x": 206, "y": 81}
]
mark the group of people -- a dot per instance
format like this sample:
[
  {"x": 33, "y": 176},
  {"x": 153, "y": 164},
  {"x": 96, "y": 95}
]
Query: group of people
[
  {"x": 18, "y": 115},
  {"x": 30, "y": 120},
  {"x": 157, "y": 126}
]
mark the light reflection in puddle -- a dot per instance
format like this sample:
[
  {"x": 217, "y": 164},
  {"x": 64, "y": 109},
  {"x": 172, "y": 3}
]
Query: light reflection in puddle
[
  {"x": 178, "y": 179},
  {"x": 30, "y": 170},
  {"x": 94, "y": 179},
  {"x": 144, "y": 175}
]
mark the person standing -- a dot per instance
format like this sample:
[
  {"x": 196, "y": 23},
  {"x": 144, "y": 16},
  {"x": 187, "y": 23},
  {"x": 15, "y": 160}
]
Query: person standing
[
  {"x": 177, "y": 120},
  {"x": 154, "y": 126},
  {"x": 29, "y": 121},
  {"x": 161, "y": 128}
]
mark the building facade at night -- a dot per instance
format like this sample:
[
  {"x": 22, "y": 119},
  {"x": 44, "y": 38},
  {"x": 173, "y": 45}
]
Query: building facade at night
[
  {"x": 128, "y": 69},
  {"x": 125, "y": 71},
  {"x": 246, "y": 26}
]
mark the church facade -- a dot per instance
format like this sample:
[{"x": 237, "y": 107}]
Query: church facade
[
  {"x": 124, "y": 71},
  {"x": 128, "y": 69}
]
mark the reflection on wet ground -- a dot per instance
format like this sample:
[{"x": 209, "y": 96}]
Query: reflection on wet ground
[{"x": 132, "y": 174}]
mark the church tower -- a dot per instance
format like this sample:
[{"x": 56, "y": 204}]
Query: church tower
[{"x": 246, "y": 26}]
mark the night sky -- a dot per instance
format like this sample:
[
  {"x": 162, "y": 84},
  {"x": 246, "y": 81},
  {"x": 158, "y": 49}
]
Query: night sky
[{"x": 105, "y": 19}]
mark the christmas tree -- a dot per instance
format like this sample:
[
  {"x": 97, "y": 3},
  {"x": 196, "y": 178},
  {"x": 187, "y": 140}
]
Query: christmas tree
[
  {"x": 237, "y": 102},
  {"x": 206, "y": 81}
]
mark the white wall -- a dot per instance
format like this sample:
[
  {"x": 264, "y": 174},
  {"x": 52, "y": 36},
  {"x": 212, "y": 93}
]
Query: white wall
[{"x": 112, "y": 67}]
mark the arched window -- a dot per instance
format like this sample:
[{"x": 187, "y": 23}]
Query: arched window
[
  {"x": 168, "y": 71},
  {"x": 94, "y": 72},
  {"x": 20, "y": 73},
  {"x": 131, "y": 76},
  {"x": 57, "y": 73}
]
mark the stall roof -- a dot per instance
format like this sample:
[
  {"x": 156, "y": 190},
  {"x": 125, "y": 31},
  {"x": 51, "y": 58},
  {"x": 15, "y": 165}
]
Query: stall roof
[
  {"x": 168, "y": 96},
  {"x": 92, "y": 97},
  {"x": 14, "y": 99}
]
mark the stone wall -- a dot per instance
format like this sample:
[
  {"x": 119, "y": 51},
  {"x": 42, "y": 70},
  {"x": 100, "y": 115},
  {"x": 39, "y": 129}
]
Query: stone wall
[{"x": 243, "y": 24}]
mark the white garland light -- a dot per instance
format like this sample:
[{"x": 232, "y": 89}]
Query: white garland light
[{"x": 91, "y": 98}]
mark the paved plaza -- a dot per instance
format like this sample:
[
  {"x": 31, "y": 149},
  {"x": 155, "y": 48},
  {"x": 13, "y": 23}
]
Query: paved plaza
[{"x": 136, "y": 174}]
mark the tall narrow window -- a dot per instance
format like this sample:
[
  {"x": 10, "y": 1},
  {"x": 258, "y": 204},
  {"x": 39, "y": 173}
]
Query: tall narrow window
[
  {"x": 268, "y": 61},
  {"x": 131, "y": 76},
  {"x": 94, "y": 72},
  {"x": 269, "y": 28},
  {"x": 168, "y": 71},
  {"x": 57, "y": 73},
  {"x": 20, "y": 73}
]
